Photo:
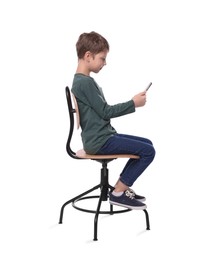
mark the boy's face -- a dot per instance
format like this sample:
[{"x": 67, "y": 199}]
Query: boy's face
[{"x": 97, "y": 61}]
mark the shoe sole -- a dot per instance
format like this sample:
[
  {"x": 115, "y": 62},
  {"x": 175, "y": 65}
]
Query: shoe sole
[
  {"x": 128, "y": 206},
  {"x": 141, "y": 200}
]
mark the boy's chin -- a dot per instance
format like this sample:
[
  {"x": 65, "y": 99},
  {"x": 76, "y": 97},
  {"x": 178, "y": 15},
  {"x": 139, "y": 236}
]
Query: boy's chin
[{"x": 96, "y": 71}]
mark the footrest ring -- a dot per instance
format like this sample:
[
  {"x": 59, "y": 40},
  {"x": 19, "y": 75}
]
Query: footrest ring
[{"x": 111, "y": 211}]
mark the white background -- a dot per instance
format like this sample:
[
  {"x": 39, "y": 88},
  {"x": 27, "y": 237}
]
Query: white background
[{"x": 158, "y": 41}]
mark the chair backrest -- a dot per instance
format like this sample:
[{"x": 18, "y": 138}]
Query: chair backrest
[
  {"x": 76, "y": 111},
  {"x": 71, "y": 111}
]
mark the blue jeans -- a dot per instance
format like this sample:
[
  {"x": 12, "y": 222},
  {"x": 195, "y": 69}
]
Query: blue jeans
[{"x": 128, "y": 144}]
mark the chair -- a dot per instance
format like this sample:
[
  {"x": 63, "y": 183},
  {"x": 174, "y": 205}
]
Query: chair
[{"x": 104, "y": 185}]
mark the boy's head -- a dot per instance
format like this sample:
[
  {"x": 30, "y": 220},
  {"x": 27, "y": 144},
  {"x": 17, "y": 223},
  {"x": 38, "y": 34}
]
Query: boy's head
[{"x": 92, "y": 42}]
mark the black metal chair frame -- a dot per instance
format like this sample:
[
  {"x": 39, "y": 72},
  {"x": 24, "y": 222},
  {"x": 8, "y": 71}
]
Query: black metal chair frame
[{"x": 104, "y": 185}]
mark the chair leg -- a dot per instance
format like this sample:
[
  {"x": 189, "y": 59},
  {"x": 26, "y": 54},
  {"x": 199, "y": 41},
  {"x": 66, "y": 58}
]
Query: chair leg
[
  {"x": 75, "y": 198},
  {"x": 103, "y": 188},
  {"x": 147, "y": 219}
]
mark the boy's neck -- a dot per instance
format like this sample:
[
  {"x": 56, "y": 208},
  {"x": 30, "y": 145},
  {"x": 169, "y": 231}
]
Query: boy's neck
[
  {"x": 82, "y": 72},
  {"x": 81, "y": 68}
]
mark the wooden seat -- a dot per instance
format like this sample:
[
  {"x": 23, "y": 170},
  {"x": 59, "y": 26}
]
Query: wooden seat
[
  {"x": 83, "y": 155},
  {"x": 104, "y": 185}
]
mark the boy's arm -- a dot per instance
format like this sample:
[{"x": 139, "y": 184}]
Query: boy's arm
[{"x": 96, "y": 100}]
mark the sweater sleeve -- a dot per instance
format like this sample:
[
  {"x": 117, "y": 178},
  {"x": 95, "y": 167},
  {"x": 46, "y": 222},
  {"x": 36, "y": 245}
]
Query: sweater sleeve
[{"x": 93, "y": 97}]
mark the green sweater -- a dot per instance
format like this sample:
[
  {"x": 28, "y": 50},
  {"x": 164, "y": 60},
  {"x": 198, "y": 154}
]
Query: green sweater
[{"x": 95, "y": 113}]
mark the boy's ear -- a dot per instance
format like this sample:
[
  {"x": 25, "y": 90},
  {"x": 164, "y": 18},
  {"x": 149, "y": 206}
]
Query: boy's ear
[{"x": 88, "y": 55}]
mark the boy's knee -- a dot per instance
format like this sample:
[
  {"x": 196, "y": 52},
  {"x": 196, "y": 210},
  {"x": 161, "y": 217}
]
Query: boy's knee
[{"x": 153, "y": 152}]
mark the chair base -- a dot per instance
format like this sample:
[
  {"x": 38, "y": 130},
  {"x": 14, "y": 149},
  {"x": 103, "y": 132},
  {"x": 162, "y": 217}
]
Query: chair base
[{"x": 104, "y": 187}]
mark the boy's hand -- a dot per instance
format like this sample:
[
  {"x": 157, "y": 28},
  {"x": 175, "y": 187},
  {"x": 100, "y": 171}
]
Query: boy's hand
[{"x": 140, "y": 99}]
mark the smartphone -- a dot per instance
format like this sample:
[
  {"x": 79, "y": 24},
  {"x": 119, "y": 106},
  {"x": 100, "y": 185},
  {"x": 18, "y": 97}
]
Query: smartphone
[{"x": 148, "y": 86}]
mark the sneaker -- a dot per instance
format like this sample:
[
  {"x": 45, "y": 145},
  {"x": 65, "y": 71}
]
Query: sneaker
[
  {"x": 126, "y": 200},
  {"x": 136, "y": 196}
]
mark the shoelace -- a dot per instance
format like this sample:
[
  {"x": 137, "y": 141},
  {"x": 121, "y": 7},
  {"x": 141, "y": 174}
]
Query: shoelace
[
  {"x": 129, "y": 194},
  {"x": 132, "y": 191}
]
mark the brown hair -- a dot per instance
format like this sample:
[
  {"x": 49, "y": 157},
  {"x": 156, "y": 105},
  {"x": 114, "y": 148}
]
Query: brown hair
[{"x": 92, "y": 42}]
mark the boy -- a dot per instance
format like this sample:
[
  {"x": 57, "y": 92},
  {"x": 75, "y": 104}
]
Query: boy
[{"x": 98, "y": 135}]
